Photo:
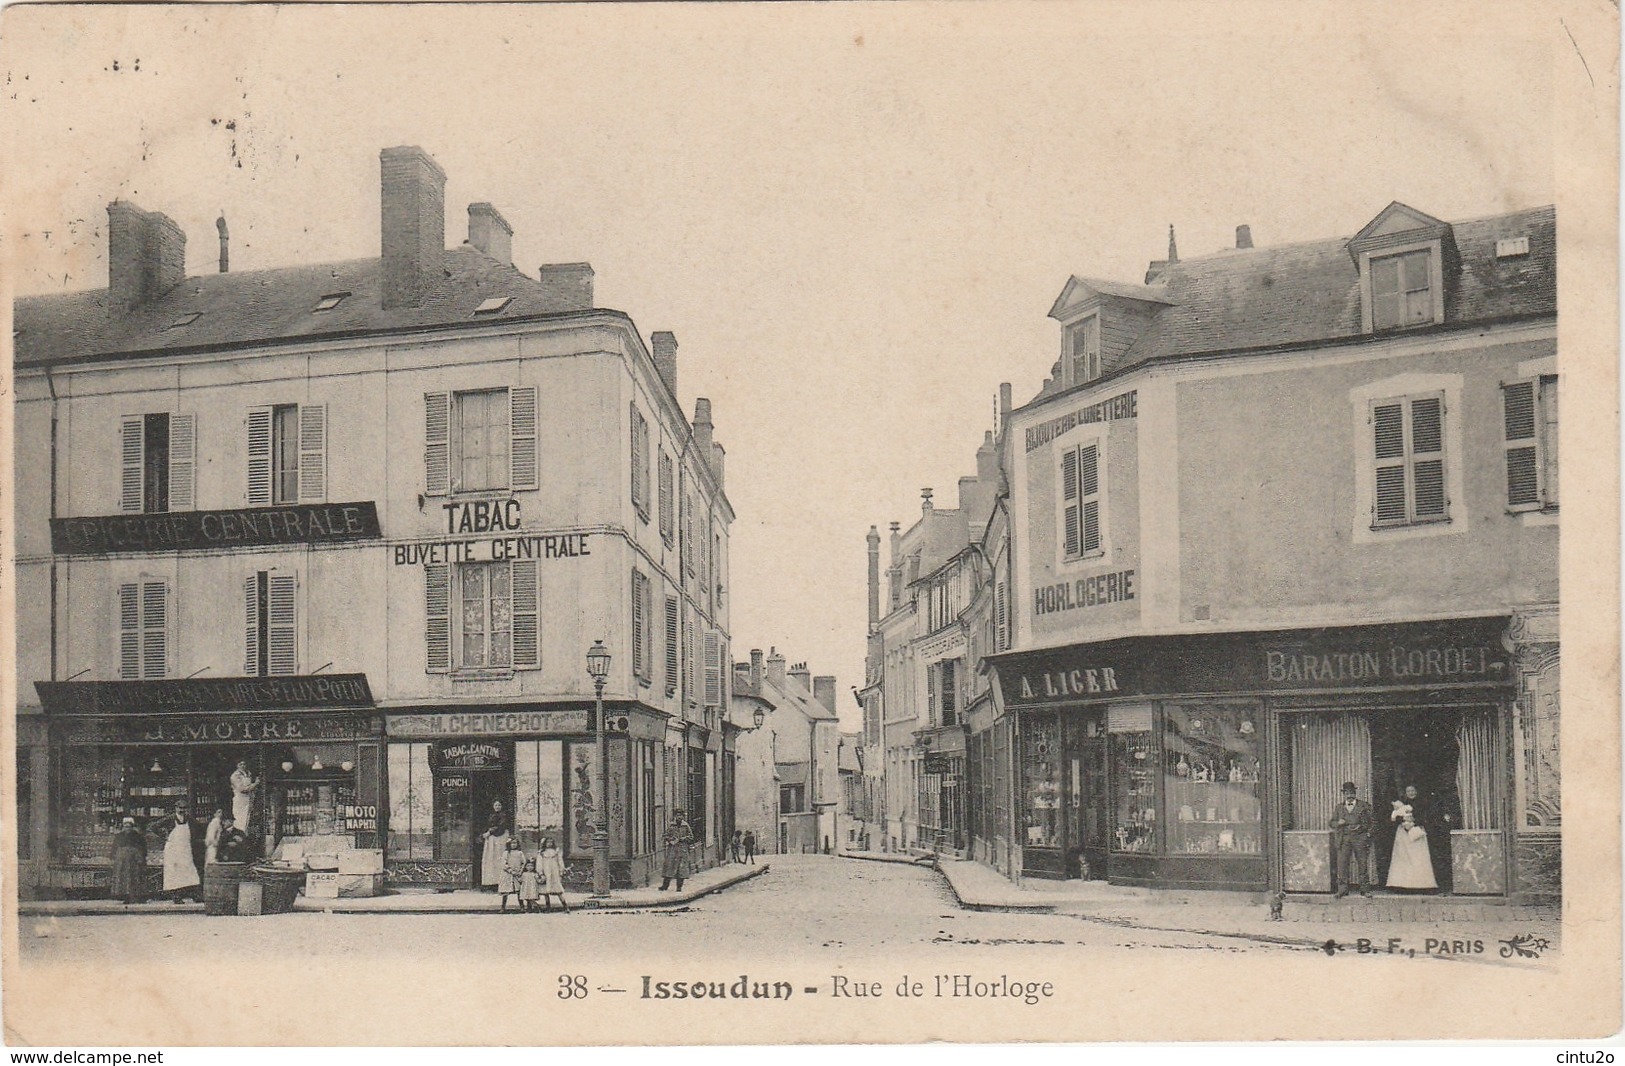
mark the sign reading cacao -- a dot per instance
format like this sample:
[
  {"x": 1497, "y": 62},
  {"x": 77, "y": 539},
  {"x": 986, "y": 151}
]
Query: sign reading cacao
[
  {"x": 294, "y": 524},
  {"x": 205, "y": 694}
]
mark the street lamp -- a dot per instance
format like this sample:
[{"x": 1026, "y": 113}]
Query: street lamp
[
  {"x": 598, "y": 670},
  {"x": 757, "y": 716}
]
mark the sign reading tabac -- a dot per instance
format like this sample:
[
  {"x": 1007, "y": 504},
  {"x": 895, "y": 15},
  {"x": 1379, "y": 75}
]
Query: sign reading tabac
[{"x": 293, "y": 524}]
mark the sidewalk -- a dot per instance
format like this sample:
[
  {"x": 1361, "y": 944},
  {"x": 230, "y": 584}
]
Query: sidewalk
[
  {"x": 1426, "y": 925},
  {"x": 462, "y": 901}
]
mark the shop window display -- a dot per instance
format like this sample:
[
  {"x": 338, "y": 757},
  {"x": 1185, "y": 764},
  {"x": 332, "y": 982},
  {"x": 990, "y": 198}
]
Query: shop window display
[
  {"x": 411, "y": 803},
  {"x": 105, "y": 785},
  {"x": 1134, "y": 788},
  {"x": 1211, "y": 772},
  {"x": 1041, "y": 782},
  {"x": 538, "y": 777}
]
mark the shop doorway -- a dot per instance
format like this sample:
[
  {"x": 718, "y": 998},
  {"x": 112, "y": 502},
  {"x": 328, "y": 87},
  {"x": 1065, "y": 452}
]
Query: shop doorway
[
  {"x": 1417, "y": 748},
  {"x": 1087, "y": 798}
]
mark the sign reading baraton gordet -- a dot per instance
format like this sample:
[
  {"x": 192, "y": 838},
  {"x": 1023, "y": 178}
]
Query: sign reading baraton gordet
[{"x": 298, "y": 524}]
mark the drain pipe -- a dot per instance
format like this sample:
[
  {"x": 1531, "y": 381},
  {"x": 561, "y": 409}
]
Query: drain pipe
[{"x": 50, "y": 383}]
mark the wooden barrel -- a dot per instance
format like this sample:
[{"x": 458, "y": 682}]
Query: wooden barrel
[{"x": 220, "y": 881}]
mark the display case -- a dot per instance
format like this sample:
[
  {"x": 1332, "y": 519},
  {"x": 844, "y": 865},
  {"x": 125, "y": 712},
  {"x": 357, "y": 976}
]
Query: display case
[
  {"x": 1136, "y": 758},
  {"x": 1041, "y": 782},
  {"x": 1211, "y": 775}
]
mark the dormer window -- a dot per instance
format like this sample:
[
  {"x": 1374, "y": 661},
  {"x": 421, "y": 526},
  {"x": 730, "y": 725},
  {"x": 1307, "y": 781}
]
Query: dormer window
[
  {"x": 329, "y": 301},
  {"x": 1405, "y": 258},
  {"x": 1083, "y": 350},
  {"x": 494, "y": 305},
  {"x": 1402, "y": 291}
]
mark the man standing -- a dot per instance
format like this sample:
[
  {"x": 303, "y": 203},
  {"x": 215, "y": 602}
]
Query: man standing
[
  {"x": 675, "y": 865},
  {"x": 1351, "y": 841}
]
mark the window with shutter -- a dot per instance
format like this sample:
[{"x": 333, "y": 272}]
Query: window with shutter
[
  {"x": 132, "y": 431},
  {"x": 272, "y": 637},
  {"x": 522, "y": 420},
  {"x": 156, "y": 463},
  {"x": 1409, "y": 470},
  {"x": 527, "y": 615},
  {"x": 437, "y": 614},
  {"x": 182, "y": 462},
  {"x": 312, "y": 468},
  {"x": 671, "y": 646},
  {"x": 688, "y": 654},
  {"x": 713, "y": 669},
  {"x": 1082, "y": 518},
  {"x": 1530, "y": 421},
  {"x": 287, "y": 454},
  {"x": 1001, "y": 630},
  {"x": 640, "y": 463},
  {"x": 144, "y": 621},
  {"x": 640, "y": 664},
  {"x": 436, "y": 443},
  {"x": 666, "y": 492}
]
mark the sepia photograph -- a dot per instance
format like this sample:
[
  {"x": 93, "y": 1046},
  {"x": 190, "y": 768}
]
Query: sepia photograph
[{"x": 672, "y": 523}]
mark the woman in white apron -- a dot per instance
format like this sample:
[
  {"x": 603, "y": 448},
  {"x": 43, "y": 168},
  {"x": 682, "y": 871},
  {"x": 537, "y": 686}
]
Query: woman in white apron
[{"x": 180, "y": 870}]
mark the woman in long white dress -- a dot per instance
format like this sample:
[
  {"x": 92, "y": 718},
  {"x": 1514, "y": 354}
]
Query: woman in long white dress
[
  {"x": 243, "y": 785},
  {"x": 494, "y": 841},
  {"x": 1412, "y": 864},
  {"x": 180, "y": 869}
]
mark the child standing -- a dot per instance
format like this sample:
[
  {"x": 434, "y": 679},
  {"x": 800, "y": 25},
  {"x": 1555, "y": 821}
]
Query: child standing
[
  {"x": 513, "y": 865},
  {"x": 550, "y": 870},
  {"x": 529, "y": 886}
]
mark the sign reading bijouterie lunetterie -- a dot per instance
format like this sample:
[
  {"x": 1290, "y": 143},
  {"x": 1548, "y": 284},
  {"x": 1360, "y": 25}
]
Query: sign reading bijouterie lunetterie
[
  {"x": 488, "y": 723},
  {"x": 295, "y": 524},
  {"x": 205, "y": 695},
  {"x": 1434, "y": 654},
  {"x": 219, "y": 729}
]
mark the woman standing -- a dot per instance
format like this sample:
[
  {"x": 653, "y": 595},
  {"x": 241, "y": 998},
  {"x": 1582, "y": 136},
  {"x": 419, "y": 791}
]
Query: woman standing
[
  {"x": 243, "y": 785},
  {"x": 211, "y": 837},
  {"x": 494, "y": 841},
  {"x": 1412, "y": 865},
  {"x": 129, "y": 862},
  {"x": 180, "y": 869}
]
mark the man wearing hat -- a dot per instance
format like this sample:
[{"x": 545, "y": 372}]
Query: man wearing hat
[
  {"x": 1351, "y": 824},
  {"x": 129, "y": 863}
]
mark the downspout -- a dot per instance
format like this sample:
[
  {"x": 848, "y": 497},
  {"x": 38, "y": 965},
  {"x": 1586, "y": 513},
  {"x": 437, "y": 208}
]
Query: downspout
[{"x": 50, "y": 383}]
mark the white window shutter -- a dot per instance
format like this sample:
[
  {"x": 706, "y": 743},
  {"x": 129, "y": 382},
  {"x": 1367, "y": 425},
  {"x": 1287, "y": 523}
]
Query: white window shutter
[
  {"x": 437, "y": 614},
  {"x": 251, "y": 643},
  {"x": 1388, "y": 436},
  {"x": 259, "y": 456},
  {"x": 282, "y": 625},
  {"x": 154, "y": 629},
  {"x": 1069, "y": 501},
  {"x": 1427, "y": 451},
  {"x": 1522, "y": 450},
  {"x": 1089, "y": 496},
  {"x": 713, "y": 669},
  {"x": 522, "y": 444},
  {"x": 639, "y": 623},
  {"x": 527, "y": 615},
  {"x": 132, "y": 446},
  {"x": 671, "y": 646},
  {"x": 182, "y": 462},
  {"x": 312, "y": 453},
  {"x": 436, "y": 443},
  {"x": 129, "y": 632}
]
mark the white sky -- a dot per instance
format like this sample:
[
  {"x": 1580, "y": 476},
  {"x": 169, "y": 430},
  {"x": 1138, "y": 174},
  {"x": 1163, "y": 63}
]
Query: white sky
[{"x": 854, "y": 217}]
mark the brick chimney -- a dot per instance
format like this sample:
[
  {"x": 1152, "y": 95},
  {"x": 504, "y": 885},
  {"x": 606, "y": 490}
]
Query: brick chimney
[
  {"x": 802, "y": 675},
  {"x": 146, "y": 255},
  {"x": 824, "y": 691},
  {"x": 225, "y": 243},
  {"x": 664, "y": 345},
  {"x": 874, "y": 577},
  {"x": 707, "y": 448},
  {"x": 490, "y": 233},
  {"x": 566, "y": 286},
  {"x": 775, "y": 667},
  {"x": 894, "y": 572},
  {"x": 413, "y": 216},
  {"x": 1244, "y": 236},
  {"x": 756, "y": 671}
]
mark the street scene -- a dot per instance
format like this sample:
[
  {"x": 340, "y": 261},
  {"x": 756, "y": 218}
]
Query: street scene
[{"x": 670, "y": 518}]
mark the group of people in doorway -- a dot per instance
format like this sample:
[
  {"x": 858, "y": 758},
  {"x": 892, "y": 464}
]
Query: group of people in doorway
[
  {"x": 1353, "y": 823},
  {"x": 222, "y": 841}
]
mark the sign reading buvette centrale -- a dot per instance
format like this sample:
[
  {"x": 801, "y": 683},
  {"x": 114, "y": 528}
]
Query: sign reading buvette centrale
[{"x": 292, "y": 524}]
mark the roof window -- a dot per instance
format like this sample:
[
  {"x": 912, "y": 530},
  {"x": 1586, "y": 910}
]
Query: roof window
[
  {"x": 185, "y": 320},
  {"x": 329, "y": 301},
  {"x": 493, "y": 305}
]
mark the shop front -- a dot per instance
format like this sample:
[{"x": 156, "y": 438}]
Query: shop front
[
  {"x": 290, "y": 758},
  {"x": 1214, "y": 761},
  {"x": 452, "y": 774}
]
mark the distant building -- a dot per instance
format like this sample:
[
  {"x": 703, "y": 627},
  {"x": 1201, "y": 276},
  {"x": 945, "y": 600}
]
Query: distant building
[{"x": 801, "y": 735}]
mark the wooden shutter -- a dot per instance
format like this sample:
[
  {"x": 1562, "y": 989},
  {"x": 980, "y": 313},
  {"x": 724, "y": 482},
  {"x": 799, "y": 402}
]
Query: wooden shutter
[
  {"x": 282, "y": 625},
  {"x": 638, "y": 625},
  {"x": 522, "y": 439},
  {"x": 1427, "y": 458},
  {"x": 436, "y": 443},
  {"x": 182, "y": 462},
  {"x": 713, "y": 668},
  {"x": 1001, "y": 638},
  {"x": 933, "y": 691},
  {"x": 527, "y": 615},
  {"x": 1089, "y": 495},
  {"x": 1071, "y": 521},
  {"x": 154, "y": 629},
  {"x": 132, "y": 448},
  {"x": 640, "y": 463},
  {"x": 129, "y": 632},
  {"x": 1388, "y": 432},
  {"x": 259, "y": 456},
  {"x": 665, "y": 496},
  {"x": 251, "y": 612},
  {"x": 688, "y": 653},
  {"x": 312, "y": 453},
  {"x": 1522, "y": 445},
  {"x": 437, "y": 616},
  {"x": 671, "y": 646}
]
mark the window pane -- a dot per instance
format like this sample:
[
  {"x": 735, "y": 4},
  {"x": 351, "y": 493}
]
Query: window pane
[
  {"x": 285, "y": 453},
  {"x": 1212, "y": 777},
  {"x": 155, "y": 476},
  {"x": 1134, "y": 784},
  {"x": 539, "y": 791},
  {"x": 1041, "y": 783},
  {"x": 1385, "y": 276}
]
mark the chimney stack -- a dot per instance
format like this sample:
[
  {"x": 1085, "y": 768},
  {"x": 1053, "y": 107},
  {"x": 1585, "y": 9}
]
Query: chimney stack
[
  {"x": 756, "y": 671},
  {"x": 413, "y": 216},
  {"x": 925, "y": 501},
  {"x": 987, "y": 460},
  {"x": 490, "y": 233},
  {"x": 874, "y": 577},
  {"x": 803, "y": 676},
  {"x": 225, "y": 243},
  {"x": 1244, "y": 236},
  {"x": 824, "y": 692},
  {"x": 146, "y": 255},
  {"x": 664, "y": 345},
  {"x": 708, "y": 449},
  {"x": 566, "y": 286},
  {"x": 1005, "y": 403},
  {"x": 775, "y": 667},
  {"x": 1173, "y": 249},
  {"x": 894, "y": 573}
]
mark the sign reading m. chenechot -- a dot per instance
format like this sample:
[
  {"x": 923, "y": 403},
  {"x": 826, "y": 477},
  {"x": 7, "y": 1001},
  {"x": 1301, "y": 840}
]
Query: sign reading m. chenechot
[
  {"x": 294, "y": 525},
  {"x": 205, "y": 695}
]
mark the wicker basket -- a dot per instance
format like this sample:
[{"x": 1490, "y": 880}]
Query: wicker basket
[
  {"x": 220, "y": 881},
  {"x": 282, "y": 886}
]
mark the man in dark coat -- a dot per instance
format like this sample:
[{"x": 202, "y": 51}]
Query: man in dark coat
[
  {"x": 1351, "y": 841},
  {"x": 233, "y": 842},
  {"x": 129, "y": 863},
  {"x": 675, "y": 861}
]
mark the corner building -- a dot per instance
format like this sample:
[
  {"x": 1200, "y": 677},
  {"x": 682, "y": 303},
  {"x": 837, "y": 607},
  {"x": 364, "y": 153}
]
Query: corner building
[
  {"x": 355, "y": 525},
  {"x": 1284, "y": 518}
]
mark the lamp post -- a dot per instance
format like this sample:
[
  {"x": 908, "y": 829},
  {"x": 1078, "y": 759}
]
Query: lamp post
[{"x": 598, "y": 670}]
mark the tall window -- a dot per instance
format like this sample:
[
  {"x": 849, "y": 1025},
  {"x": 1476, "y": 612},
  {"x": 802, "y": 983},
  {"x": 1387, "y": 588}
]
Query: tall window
[
  {"x": 1530, "y": 408},
  {"x": 640, "y": 463},
  {"x": 480, "y": 441},
  {"x": 642, "y": 628},
  {"x": 158, "y": 460},
  {"x": 411, "y": 803},
  {"x": 287, "y": 454},
  {"x": 1408, "y": 438},
  {"x": 486, "y": 619},
  {"x": 1081, "y": 501},
  {"x": 667, "y": 489},
  {"x": 1402, "y": 290},
  {"x": 271, "y": 624},
  {"x": 792, "y": 799},
  {"x": 482, "y": 616},
  {"x": 671, "y": 646},
  {"x": 1083, "y": 342},
  {"x": 143, "y": 614}
]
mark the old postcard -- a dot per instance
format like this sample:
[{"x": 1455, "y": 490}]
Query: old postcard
[{"x": 851, "y": 522}]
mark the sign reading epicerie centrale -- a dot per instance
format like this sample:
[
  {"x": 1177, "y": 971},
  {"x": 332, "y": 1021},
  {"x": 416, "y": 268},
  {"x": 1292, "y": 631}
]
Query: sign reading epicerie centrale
[{"x": 293, "y": 524}]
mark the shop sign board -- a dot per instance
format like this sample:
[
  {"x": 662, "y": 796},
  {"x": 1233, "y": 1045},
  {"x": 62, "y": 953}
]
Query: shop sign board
[
  {"x": 489, "y": 723},
  {"x": 293, "y": 524},
  {"x": 494, "y": 549},
  {"x": 937, "y": 762},
  {"x": 205, "y": 695},
  {"x": 359, "y": 817},
  {"x": 219, "y": 729},
  {"x": 1122, "y": 406},
  {"x": 470, "y": 755},
  {"x": 1455, "y": 652}
]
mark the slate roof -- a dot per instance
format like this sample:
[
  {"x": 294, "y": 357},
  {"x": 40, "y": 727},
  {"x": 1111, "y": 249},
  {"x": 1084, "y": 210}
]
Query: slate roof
[
  {"x": 1301, "y": 293},
  {"x": 268, "y": 305}
]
